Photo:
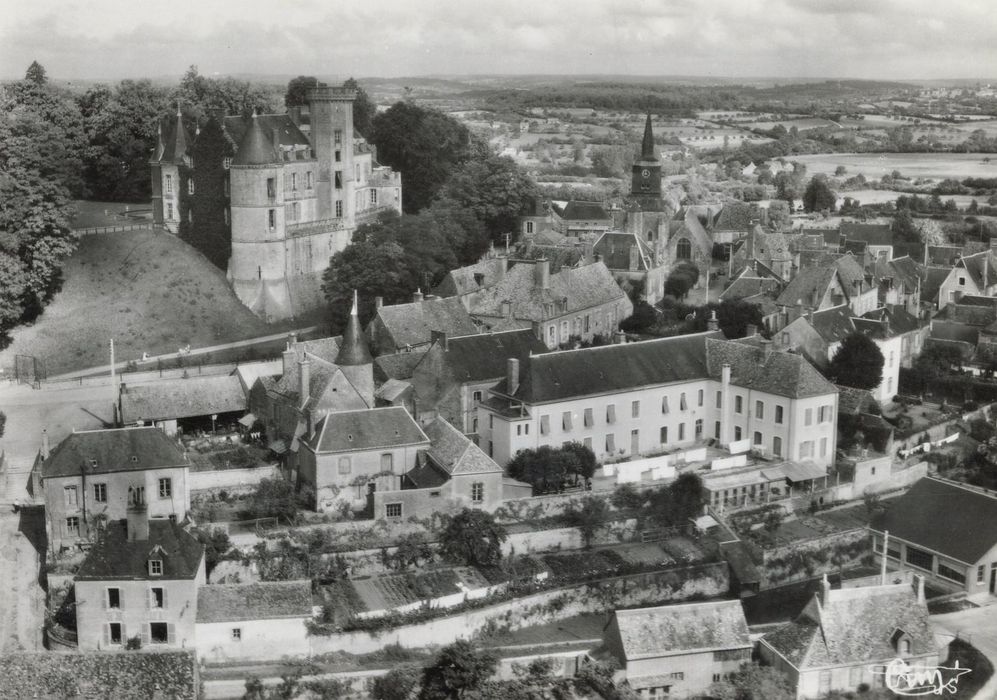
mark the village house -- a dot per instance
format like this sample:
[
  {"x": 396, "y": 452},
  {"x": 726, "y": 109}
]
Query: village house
[
  {"x": 971, "y": 275},
  {"x": 253, "y": 621},
  {"x": 471, "y": 278},
  {"x": 636, "y": 399},
  {"x": 86, "y": 480},
  {"x": 678, "y": 651},
  {"x": 454, "y": 375},
  {"x": 970, "y": 326},
  {"x": 140, "y": 580},
  {"x": 199, "y": 402},
  {"x": 576, "y": 219},
  {"x": 878, "y": 238},
  {"x": 899, "y": 283},
  {"x": 845, "y": 638},
  {"x": 405, "y": 326},
  {"x": 955, "y": 548}
]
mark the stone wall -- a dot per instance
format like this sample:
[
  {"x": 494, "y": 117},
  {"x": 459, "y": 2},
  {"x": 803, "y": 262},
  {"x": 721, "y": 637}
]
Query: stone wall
[
  {"x": 238, "y": 480},
  {"x": 805, "y": 559}
]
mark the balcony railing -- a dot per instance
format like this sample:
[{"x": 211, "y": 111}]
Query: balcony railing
[{"x": 320, "y": 226}]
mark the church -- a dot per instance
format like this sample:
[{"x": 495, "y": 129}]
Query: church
[{"x": 271, "y": 197}]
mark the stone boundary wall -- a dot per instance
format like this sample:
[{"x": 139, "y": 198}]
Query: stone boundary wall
[{"x": 231, "y": 478}]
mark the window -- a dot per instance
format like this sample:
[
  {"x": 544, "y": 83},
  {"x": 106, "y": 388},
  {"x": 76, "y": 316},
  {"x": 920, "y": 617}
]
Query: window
[
  {"x": 611, "y": 413},
  {"x": 100, "y": 493},
  {"x": 73, "y": 526},
  {"x": 236, "y": 634},
  {"x": 294, "y": 181},
  {"x": 962, "y": 281},
  {"x": 699, "y": 428},
  {"x": 476, "y": 396},
  {"x": 345, "y": 466},
  {"x": 699, "y": 399},
  {"x": 951, "y": 574},
  {"x": 339, "y": 156},
  {"x": 757, "y": 440},
  {"x": 778, "y": 415},
  {"x": 159, "y": 632},
  {"x": 491, "y": 421},
  {"x": 738, "y": 404},
  {"x": 716, "y": 430},
  {"x": 759, "y": 410},
  {"x": 806, "y": 449},
  {"x": 611, "y": 443},
  {"x": 905, "y": 647},
  {"x": 777, "y": 446},
  {"x": 114, "y": 632},
  {"x": 339, "y": 179},
  {"x": 664, "y": 404},
  {"x": 683, "y": 405},
  {"x": 683, "y": 250},
  {"x": 720, "y": 399},
  {"x": 190, "y": 186},
  {"x": 587, "y": 323},
  {"x": 544, "y": 425},
  {"x": 737, "y": 433},
  {"x": 477, "y": 492},
  {"x": 339, "y": 208},
  {"x": 157, "y": 597},
  {"x": 716, "y": 677},
  {"x": 980, "y": 573},
  {"x": 588, "y": 419},
  {"x": 919, "y": 558},
  {"x": 373, "y": 196},
  {"x": 308, "y": 180},
  {"x": 664, "y": 434},
  {"x": 169, "y": 211},
  {"x": 808, "y": 417},
  {"x": 825, "y": 414},
  {"x": 387, "y": 462},
  {"x": 155, "y": 567},
  {"x": 166, "y": 488},
  {"x": 114, "y": 598},
  {"x": 566, "y": 421},
  {"x": 677, "y": 676},
  {"x": 337, "y": 136},
  {"x": 635, "y": 409},
  {"x": 271, "y": 187},
  {"x": 169, "y": 184},
  {"x": 392, "y": 510},
  {"x": 226, "y": 163},
  {"x": 681, "y": 432},
  {"x": 70, "y": 496},
  {"x": 272, "y": 218}
]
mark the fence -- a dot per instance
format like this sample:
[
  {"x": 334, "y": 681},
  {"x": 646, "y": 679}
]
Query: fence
[{"x": 112, "y": 229}]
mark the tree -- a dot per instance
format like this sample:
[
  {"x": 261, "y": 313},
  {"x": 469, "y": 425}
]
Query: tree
[
  {"x": 681, "y": 279},
  {"x": 458, "y": 668},
  {"x": 297, "y": 90},
  {"x": 550, "y": 469},
  {"x": 677, "y": 502},
  {"x": 36, "y": 74},
  {"x": 779, "y": 217},
  {"x": 274, "y": 498},
  {"x": 819, "y": 196},
  {"x": 773, "y": 519},
  {"x": 411, "y": 549},
  {"x": 589, "y": 517},
  {"x": 397, "y": 684},
  {"x": 424, "y": 144},
  {"x": 934, "y": 362},
  {"x": 363, "y": 108},
  {"x": 858, "y": 363},
  {"x": 754, "y": 682},
  {"x": 473, "y": 538},
  {"x": 216, "y": 544}
]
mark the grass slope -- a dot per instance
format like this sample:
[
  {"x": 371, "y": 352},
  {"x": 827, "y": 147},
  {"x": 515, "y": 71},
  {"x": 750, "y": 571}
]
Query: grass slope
[{"x": 150, "y": 292}]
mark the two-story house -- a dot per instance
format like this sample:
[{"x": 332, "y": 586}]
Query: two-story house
[
  {"x": 139, "y": 580},
  {"x": 971, "y": 275},
  {"x": 678, "y": 650},
  {"x": 650, "y": 397},
  {"x": 86, "y": 479},
  {"x": 405, "y": 326}
]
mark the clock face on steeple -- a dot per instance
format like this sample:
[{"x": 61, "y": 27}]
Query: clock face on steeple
[{"x": 645, "y": 173}]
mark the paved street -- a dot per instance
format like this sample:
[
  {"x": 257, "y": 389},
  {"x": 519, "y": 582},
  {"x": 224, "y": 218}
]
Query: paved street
[
  {"x": 22, "y": 599},
  {"x": 979, "y": 627}
]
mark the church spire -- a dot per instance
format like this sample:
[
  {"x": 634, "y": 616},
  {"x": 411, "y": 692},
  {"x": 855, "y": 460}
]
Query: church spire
[
  {"x": 353, "y": 350},
  {"x": 647, "y": 145}
]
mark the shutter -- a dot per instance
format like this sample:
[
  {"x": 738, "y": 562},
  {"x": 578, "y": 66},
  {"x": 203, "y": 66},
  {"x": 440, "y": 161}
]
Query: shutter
[
  {"x": 103, "y": 602},
  {"x": 165, "y": 604},
  {"x": 124, "y": 635},
  {"x": 121, "y": 598},
  {"x": 107, "y": 635},
  {"x": 148, "y": 598},
  {"x": 146, "y": 634},
  {"x": 171, "y": 634}
]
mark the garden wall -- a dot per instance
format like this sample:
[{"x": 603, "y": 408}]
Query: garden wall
[
  {"x": 805, "y": 559},
  {"x": 702, "y": 581},
  {"x": 232, "y": 478}
]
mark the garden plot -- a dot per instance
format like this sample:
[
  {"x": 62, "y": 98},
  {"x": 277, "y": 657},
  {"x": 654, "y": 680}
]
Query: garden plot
[
  {"x": 649, "y": 553},
  {"x": 683, "y": 549},
  {"x": 396, "y": 590}
]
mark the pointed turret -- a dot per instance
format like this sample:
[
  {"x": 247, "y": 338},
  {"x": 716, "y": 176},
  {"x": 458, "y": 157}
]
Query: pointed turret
[
  {"x": 180, "y": 139},
  {"x": 353, "y": 350},
  {"x": 255, "y": 147},
  {"x": 160, "y": 146},
  {"x": 647, "y": 145},
  {"x": 645, "y": 187}
]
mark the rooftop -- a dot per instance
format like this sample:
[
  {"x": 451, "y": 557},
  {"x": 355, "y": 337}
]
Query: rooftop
[
  {"x": 413, "y": 323},
  {"x": 667, "y": 630},
  {"x": 453, "y": 452},
  {"x": 113, "y": 450},
  {"x": 268, "y": 600},
  {"x": 115, "y": 557},
  {"x": 182, "y": 398},
  {"x": 369, "y": 429}
]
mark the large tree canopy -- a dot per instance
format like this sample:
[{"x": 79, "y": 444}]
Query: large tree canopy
[
  {"x": 858, "y": 363},
  {"x": 819, "y": 196},
  {"x": 550, "y": 469},
  {"x": 473, "y": 538},
  {"x": 459, "y": 668}
]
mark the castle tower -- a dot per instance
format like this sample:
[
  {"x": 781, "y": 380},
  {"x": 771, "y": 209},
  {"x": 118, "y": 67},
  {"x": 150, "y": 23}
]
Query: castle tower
[
  {"x": 354, "y": 357},
  {"x": 169, "y": 173},
  {"x": 645, "y": 184},
  {"x": 331, "y": 133},
  {"x": 257, "y": 268}
]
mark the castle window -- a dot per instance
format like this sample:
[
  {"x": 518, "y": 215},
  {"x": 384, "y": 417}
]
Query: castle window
[
  {"x": 271, "y": 187},
  {"x": 190, "y": 186},
  {"x": 272, "y": 218},
  {"x": 373, "y": 196},
  {"x": 294, "y": 181},
  {"x": 338, "y": 136},
  {"x": 308, "y": 179},
  {"x": 169, "y": 184},
  {"x": 339, "y": 208},
  {"x": 339, "y": 179},
  {"x": 683, "y": 250}
]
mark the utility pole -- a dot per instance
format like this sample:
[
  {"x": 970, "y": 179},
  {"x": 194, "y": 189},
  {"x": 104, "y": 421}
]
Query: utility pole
[
  {"x": 508, "y": 236},
  {"x": 112, "y": 361}
]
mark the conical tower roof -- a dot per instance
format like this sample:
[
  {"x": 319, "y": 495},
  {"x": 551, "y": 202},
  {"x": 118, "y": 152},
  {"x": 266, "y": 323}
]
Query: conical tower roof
[
  {"x": 353, "y": 350},
  {"x": 255, "y": 147},
  {"x": 160, "y": 146},
  {"x": 647, "y": 145}
]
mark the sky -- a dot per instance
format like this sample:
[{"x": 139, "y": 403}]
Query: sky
[{"x": 874, "y": 39}]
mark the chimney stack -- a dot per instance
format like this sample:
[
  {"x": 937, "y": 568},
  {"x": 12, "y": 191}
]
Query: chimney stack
[
  {"x": 766, "y": 348},
  {"x": 920, "y": 589},
  {"x": 45, "y": 448},
  {"x": 541, "y": 273},
  {"x": 512, "y": 375},
  {"x": 417, "y": 297},
  {"x": 711, "y": 322},
  {"x": 287, "y": 359},
  {"x": 441, "y": 338},
  {"x": 378, "y": 302},
  {"x": 137, "y": 516},
  {"x": 304, "y": 379},
  {"x": 750, "y": 331},
  {"x": 825, "y": 590}
]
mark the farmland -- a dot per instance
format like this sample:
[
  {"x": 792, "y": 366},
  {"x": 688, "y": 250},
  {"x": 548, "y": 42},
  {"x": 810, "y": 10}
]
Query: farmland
[{"x": 935, "y": 166}]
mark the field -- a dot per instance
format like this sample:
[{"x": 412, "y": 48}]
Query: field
[
  {"x": 97, "y": 214},
  {"x": 934, "y": 166},
  {"x": 881, "y": 196},
  {"x": 150, "y": 292}
]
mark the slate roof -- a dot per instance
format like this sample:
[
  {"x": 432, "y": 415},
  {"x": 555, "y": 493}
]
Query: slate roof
[
  {"x": 413, "y": 323},
  {"x": 944, "y": 255},
  {"x": 779, "y": 373},
  {"x": 288, "y": 134},
  {"x": 584, "y": 211},
  {"x": 855, "y": 247},
  {"x": 833, "y": 324},
  {"x": 976, "y": 265},
  {"x": 454, "y": 453},
  {"x": 320, "y": 374},
  {"x": 668, "y": 630},
  {"x": 175, "y": 141},
  {"x": 952, "y": 519},
  {"x": 463, "y": 280},
  {"x": 897, "y": 318},
  {"x": 481, "y": 357},
  {"x": 115, "y": 450},
  {"x": 583, "y": 287},
  {"x": 399, "y": 365},
  {"x": 614, "y": 247},
  {"x": 907, "y": 271},
  {"x": 392, "y": 389},
  {"x": 114, "y": 557},
  {"x": 851, "y": 272},
  {"x": 265, "y": 600},
  {"x": 746, "y": 286},
  {"x": 368, "y": 429},
  {"x": 854, "y": 625},
  {"x": 181, "y": 398},
  {"x": 808, "y": 281},
  {"x": 767, "y": 245},
  {"x": 872, "y": 234},
  {"x": 934, "y": 277},
  {"x": 735, "y": 216},
  {"x": 956, "y": 332}
]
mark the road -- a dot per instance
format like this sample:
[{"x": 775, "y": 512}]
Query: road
[
  {"x": 979, "y": 627},
  {"x": 22, "y": 598},
  {"x": 224, "y": 689}
]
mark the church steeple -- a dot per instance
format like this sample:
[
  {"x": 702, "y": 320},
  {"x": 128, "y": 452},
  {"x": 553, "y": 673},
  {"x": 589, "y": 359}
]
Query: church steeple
[
  {"x": 647, "y": 145},
  {"x": 645, "y": 184}
]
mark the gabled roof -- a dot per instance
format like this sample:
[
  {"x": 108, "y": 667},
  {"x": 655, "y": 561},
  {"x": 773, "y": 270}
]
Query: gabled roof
[
  {"x": 934, "y": 277},
  {"x": 114, "y": 556},
  {"x": 413, "y": 323},
  {"x": 454, "y": 453},
  {"x": 320, "y": 376},
  {"x": 668, "y": 630},
  {"x": 686, "y": 223},
  {"x": 854, "y": 625},
  {"x": 484, "y": 356},
  {"x": 808, "y": 283},
  {"x": 766, "y": 245},
  {"x": 584, "y": 211},
  {"x": 907, "y": 271},
  {"x": 369, "y": 429},
  {"x": 399, "y": 365},
  {"x": 263, "y": 600},
  {"x": 896, "y": 318},
  {"x": 113, "y": 450},
  {"x": 779, "y": 373},
  {"x": 471, "y": 278},
  {"x": 747, "y": 286},
  {"x": 952, "y": 519},
  {"x": 735, "y": 216},
  {"x": 944, "y": 255},
  {"x": 833, "y": 324},
  {"x": 615, "y": 246},
  {"x": 980, "y": 267},
  {"x": 851, "y": 272},
  {"x": 181, "y": 398},
  {"x": 871, "y": 234}
]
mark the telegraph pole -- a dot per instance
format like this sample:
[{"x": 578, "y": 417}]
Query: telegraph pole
[{"x": 112, "y": 361}]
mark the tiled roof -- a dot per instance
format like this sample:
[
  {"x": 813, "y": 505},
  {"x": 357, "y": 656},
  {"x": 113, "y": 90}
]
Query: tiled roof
[
  {"x": 114, "y": 450},
  {"x": 181, "y": 398},
  {"x": 854, "y": 625},
  {"x": 906, "y": 271},
  {"x": 851, "y": 272},
  {"x": 852, "y": 401},
  {"x": 855, "y": 247},
  {"x": 978, "y": 300},
  {"x": 413, "y": 323},
  {"x": 833, "y": 324},
  {"x": 934, "y": 277},
  {"x": 958, "y": 332},
  {"x": 269, "y": 600},
  {"x": 392, "y": 389},
  {"x": 976, "y": 265},
  {"x": 735, "y": 216},
  {"x": 114, "y": 556},
  {"x": 767, "y": 245},
  {"x": 560, "y": 255},
  {"x": 614, "y": 247},
  {"x": 897, "y": 318},
  {"x": 453, "y": 452},
  {"x": 667, "y": 630},
  {"x": 288, "y": 134},
  {"x": 581, "y": 287},
  {"x": 464, "y": 280},
  {"x": 952, "y": 519},
  {"x": 584, "y": 211},
  {"x": 374, "y": 428},
  {"x": 944, "y": 255},
  {"x": 746, "y": 286},
  {"x": 872, "y": 234},
  {"x": 779, "y": 373},
  {"x": 807, "y": 282},
  {"x": 484, "y": 356},
  {"x": 399, "y": 365},
  {"x": 320, "y": 374}
]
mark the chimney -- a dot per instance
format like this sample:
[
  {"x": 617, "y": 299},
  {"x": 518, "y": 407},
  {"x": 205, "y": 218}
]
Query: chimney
[
  {"x": 920, "y": 589},
  {"x": 304, "y": 379},
  {"x": 619, "y": 338},
  {"x": 506, "y": 309},
  {"x": 766, "y": 348},
  {"x": 45, "y": 448},
  {"x": 501, "y": 267},
  {"x": 725, "y": 405},
  {"x": 378, "y": 302},
  {"x": 711, "y": 322},
  {"x": 541, "y": 273},
  {"x": 750, "y": 331},
  {"x": 417, "y": 296},
  {"x": 137, "y": 516},
  {"x": 538, "y": 331},
  {"x": 512, "y": 375},
  {"x": 287, "y": 359},
  {"x": 825, "y": 590},
  {"x": 441, "y": 338}
]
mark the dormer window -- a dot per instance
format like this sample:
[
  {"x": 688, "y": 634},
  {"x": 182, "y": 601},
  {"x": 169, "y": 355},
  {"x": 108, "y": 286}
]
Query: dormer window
[
  {"x": 900, "y": 641},
  {"x": 155, "y": 567},
  {"x": 93, "y": 463},
  {"x": 134, "y": 459}
]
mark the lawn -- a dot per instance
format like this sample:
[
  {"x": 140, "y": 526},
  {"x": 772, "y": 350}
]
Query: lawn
[
  {"x": 150, "y": 292},
  {"x": 100, "y": 214}
]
